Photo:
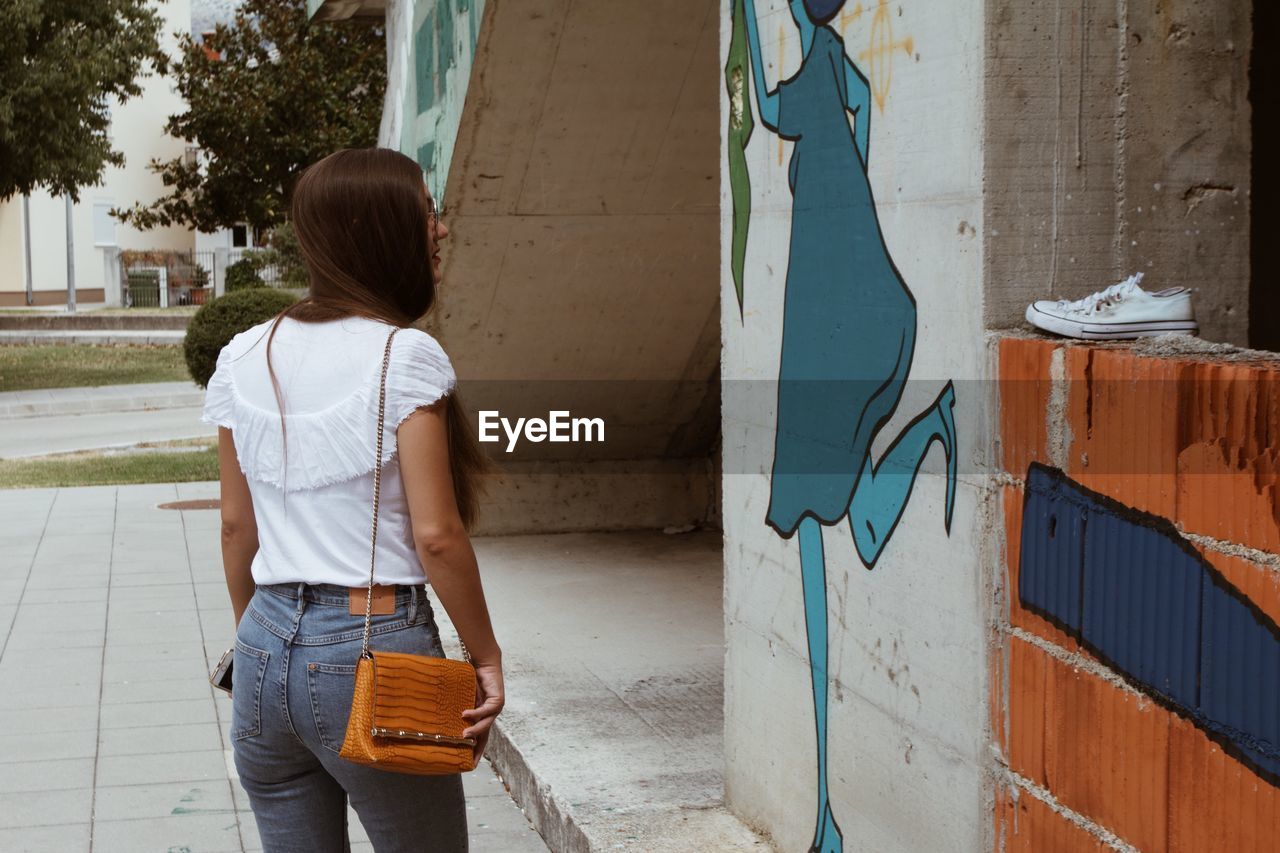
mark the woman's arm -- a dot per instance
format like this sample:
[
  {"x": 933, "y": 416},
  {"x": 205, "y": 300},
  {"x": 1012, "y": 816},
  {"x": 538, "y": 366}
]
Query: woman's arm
[
  {"x": 767, "y": 101},
  {"x": 445, "y": 551},
  {"x": 239, "y": 527},
  {"x": 859, "y": 103}
]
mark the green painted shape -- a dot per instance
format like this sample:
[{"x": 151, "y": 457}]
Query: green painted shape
[
  {"x": 427, "y": 156},
  {"x": 737, "y": 83},
  {"x": 445, "y": 48},
  {"x": 425, "y": 62},
  {"x": 472, "y": 9}
]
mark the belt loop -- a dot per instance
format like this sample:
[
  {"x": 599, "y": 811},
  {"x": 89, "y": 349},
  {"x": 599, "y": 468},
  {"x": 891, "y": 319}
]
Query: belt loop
[
  {"x": 413, "y": 602},
  {"x": 302, "y": 596}
]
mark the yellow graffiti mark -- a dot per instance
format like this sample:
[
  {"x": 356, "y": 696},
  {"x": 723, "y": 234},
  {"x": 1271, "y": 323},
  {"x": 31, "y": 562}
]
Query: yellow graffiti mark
[
  {"x": 847, "y": 18},
  {"x": 878, "y": 57},
  {"x": 782, "y": 58}
]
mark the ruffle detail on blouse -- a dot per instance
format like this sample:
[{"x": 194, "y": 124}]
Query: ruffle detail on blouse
[
  {"x": 336, "y": 444},
  {"x": 219, "y": 395}
]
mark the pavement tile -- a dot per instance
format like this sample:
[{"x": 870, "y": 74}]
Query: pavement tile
[
  {"x": 41, "y": 721},
  {"x": 170, "y": 799},
  {"x": 137, "y": 671},
  {"x": 46, "y": 775},
  {"x": 153, "y": 769},
  {"x": 45, "y": 808},
  {"x": 31, "y": 639},
  {"x": 63, "y": 838},
  {"x": 127, "y": 715},
  {"x": 162, "y": 739},
  {"x": 193, "y": 833},
  {"x": 118, "y": 692},
  {"x": 191, "y": 651},
  {"x": 82, "y": 743},
  {"x": 85, "y": 694}
]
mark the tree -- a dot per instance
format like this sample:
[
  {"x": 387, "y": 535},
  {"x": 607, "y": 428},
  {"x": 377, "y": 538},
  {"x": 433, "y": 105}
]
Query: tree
[
  {"x": 267, "y": 96},
  {"x": 61, "y": 65}
]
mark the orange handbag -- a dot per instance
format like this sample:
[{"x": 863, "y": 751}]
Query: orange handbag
[{"x": 406, "y": 711}]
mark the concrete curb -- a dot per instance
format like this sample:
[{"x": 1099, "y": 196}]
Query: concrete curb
[
  {"x": 153, "y": 337},
  {"x": 112, "y": 398},
  {"x": 552, "y": 819}
]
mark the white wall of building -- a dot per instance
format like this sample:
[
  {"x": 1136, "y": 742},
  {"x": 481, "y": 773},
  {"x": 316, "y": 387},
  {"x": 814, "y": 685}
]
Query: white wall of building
[
  {"x": 136, "y": 131},
  {"x": 906, "y": 674}
]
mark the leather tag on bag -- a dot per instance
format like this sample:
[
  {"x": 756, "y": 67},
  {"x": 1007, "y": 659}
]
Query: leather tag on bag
[{"x": 384, "y": 600}]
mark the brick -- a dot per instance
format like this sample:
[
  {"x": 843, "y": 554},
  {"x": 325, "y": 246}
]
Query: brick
[
  {"x": 1026, "y": 825},
  {"x": 1028, "y": 694},
  {"x": 1123, "y": 417},
  {"x": 1229, "y": 424},
  {"x": 1215, "y": 802},
  {"x": 1101, "y": 750},
  {"x": 1024, "y": 400}
]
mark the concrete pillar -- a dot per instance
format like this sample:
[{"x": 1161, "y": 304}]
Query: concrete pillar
[{"x": 1117, "y": 140}]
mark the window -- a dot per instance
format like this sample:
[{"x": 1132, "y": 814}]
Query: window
[
  {"x": 104, "y": 226},
  {"x": 239, "y": 236}
]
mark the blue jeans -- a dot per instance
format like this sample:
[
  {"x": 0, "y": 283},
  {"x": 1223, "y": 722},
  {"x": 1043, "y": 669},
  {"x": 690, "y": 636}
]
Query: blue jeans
[{"x": 294, "y": 672}]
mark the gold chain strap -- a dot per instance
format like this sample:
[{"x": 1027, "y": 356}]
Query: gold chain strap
[{"x": 377, "y": 492}]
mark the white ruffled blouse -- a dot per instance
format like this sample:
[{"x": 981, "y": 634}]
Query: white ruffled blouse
[{"x": 314, "y": 503}]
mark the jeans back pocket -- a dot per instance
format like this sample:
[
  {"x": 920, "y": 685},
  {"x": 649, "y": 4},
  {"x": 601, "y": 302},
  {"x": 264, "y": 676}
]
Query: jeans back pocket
[
  {"x": 331, "y": 686},
  {"x": 247, "y": 674}
]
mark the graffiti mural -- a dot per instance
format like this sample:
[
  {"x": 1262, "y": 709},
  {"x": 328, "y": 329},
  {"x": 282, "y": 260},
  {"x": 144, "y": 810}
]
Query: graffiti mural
[
  {"x": 848, "y": 331},
  {"x": 1131, "y": 590}
]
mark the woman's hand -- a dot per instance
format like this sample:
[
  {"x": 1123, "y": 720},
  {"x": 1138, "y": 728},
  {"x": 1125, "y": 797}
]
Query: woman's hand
[{"x": 489, "y": 701}]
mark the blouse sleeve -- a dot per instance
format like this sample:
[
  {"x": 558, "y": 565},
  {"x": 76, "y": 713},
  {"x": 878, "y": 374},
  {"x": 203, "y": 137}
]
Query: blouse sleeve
[
  {"x": 420, "y": 373},
  {"x": 219, "y": 395}
]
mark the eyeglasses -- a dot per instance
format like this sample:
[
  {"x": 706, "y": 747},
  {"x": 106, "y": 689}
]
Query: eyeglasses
[{"x": 434, "y": 213}]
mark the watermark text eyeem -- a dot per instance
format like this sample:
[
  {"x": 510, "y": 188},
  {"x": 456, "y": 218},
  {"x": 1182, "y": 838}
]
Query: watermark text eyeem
[{"x": 558, "y": 426}]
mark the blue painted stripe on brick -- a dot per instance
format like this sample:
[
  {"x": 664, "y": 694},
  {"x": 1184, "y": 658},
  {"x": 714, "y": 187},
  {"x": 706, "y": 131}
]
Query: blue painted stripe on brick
[{"x": 1136, "y": 594}]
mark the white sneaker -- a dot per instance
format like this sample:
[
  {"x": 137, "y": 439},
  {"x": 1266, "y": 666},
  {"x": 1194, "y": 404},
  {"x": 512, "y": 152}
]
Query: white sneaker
[{"x": 1120, "y": 312}]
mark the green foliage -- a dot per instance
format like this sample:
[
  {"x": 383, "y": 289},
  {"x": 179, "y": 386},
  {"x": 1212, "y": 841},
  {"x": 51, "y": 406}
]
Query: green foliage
[
  {"x": 214, "y": 325},
  {"x": 284, "y": 252},
  {"x": 61, "y": 64},
  {"x": 243, "y": 274},
  {"x": 267, "y": 96}
]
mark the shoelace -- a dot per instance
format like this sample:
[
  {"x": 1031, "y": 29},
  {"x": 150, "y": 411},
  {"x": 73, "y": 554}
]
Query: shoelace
[{"x": 1096, "y": 301}]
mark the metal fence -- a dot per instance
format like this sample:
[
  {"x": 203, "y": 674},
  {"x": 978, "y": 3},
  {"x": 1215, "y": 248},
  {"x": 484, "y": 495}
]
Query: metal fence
[{"x": 168, "y": 278}]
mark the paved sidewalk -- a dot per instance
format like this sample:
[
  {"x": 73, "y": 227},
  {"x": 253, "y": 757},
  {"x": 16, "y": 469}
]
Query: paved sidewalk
[{"x": 112, "y": 611}]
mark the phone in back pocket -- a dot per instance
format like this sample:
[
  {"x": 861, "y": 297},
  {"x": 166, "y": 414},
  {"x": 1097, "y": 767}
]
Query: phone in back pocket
[{"x": 221, "y": 675}]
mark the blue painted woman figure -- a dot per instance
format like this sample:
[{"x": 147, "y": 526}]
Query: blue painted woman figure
[{"x": 848, "y": 337}]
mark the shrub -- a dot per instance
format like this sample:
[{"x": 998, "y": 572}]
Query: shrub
[
  {"x": 214, "y": 325},
  {"x": 243, "y": 274}
]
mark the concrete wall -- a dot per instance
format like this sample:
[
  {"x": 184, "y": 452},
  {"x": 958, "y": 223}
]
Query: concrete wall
[
  {"x": 1134, "y": 687},
  {"x": 904, "y": 682},
  {"x": 581, "y": 270},
  {"x": 1118, "y": 140}
]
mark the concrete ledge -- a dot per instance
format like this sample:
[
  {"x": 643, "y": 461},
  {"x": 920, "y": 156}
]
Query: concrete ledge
[
  {"x": 152, "y": 337},
  {"x": 94, "y": 321},
  {"x": 613, "y": 653}
]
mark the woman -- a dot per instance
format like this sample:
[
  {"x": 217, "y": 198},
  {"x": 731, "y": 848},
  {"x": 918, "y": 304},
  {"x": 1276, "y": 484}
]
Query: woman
[
  {"x": 296, "y": 403},
  {"x": 848, "y": 338}
]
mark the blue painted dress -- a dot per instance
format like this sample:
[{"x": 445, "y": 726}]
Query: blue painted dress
[{"x": 849, "y": 321}]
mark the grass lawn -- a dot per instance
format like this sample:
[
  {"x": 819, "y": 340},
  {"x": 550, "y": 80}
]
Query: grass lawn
[
  {"x": 104, "y": 469},
  {"x": 24, "y": 367}
]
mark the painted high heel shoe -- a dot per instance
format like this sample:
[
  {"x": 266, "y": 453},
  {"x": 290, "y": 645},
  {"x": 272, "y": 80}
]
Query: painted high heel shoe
[{"x": 946, "y": 404}]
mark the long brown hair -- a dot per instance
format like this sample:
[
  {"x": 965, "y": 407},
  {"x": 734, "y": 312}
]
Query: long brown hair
[{"x": 360, "y": 216}]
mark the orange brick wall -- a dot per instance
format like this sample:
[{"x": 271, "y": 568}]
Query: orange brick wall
[{"x": 1087, "y": 761}]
